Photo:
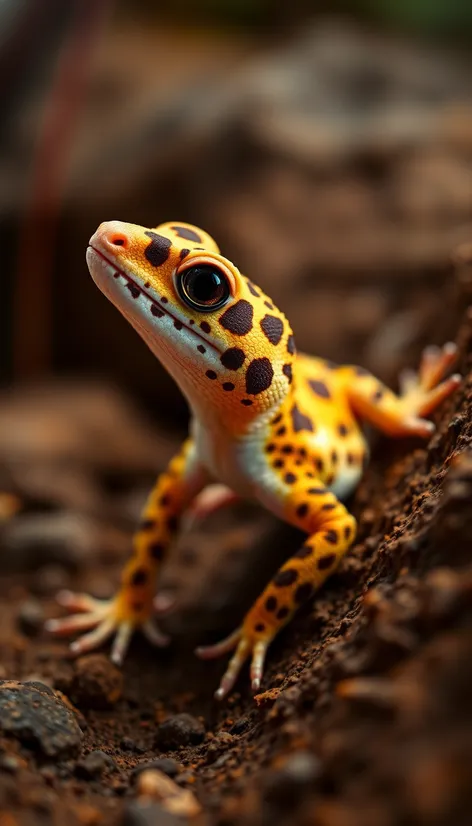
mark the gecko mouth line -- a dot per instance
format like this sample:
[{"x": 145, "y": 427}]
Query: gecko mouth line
[{"x": 157, "y": 308}]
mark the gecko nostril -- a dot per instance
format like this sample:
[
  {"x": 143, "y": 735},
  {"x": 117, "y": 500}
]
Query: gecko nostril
[{"x": 118, "y": 240}]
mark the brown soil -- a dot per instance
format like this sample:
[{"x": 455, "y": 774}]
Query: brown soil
[{"x": 364, "y": 714}]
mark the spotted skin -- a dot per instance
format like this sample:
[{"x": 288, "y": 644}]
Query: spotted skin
[{"x": 268, "y": 424}]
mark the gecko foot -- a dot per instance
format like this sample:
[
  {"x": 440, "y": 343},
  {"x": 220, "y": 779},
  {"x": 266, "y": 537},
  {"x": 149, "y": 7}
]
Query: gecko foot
[
  {"x": 246, "y": 646},
  {"x": 101, "y": 619},
  {"x": 423, "y": 391}
]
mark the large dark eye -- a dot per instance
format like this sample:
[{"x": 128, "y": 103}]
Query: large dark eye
[{"x": 204, "y": 287}]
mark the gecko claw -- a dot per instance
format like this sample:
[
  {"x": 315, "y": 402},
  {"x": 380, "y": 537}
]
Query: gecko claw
[{"x": 245, "y": 647}]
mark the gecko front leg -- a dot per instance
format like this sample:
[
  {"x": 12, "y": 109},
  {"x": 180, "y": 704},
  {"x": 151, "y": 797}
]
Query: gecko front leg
[
  {"x": 132, "y": 606},
  {"x": 331, "y": 528}
]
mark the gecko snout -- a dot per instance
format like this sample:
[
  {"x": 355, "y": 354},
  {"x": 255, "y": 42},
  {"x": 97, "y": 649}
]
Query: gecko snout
[{"x": 110, "y": 235}]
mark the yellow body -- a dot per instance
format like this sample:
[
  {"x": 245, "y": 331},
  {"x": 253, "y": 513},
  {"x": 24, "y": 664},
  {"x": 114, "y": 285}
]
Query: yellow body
[{"x": 267, "y": 424}]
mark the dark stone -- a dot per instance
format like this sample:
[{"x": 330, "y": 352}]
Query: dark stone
[
  {"x": 283, "y": 788},
  {"x": 33, "y": 714},
  {"x": 31, "y": 617},
  {"x": 167, "y": 765},
  {"x": 179, "y": 730},
  {"x": 93, "y": 765}
]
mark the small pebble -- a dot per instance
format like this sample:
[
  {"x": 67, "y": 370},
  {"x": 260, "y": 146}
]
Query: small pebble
[
  {"x": 97, "y": 683},
  {"x": 166, "y": 765},
  {"x": 179, "y": 730},
  {"x": 94, "y": 764},
  {"x": 9, "y": 763},
  {"x": 148, "y": 813},
  {"x": 300, "y": 771},
  {"x": 31, "y": 617}
]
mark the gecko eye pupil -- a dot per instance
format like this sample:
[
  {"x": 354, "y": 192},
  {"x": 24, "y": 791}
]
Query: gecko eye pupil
[{"x": 204, "y": 287}]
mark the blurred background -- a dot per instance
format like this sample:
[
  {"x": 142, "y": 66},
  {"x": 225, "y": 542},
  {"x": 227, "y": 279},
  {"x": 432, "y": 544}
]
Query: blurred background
[
  {"x": 329, "y": 155},
  {"x": 328, "y": 149}
]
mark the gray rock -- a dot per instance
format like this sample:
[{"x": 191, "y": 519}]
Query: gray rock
[{"x": 34, "y": 715}]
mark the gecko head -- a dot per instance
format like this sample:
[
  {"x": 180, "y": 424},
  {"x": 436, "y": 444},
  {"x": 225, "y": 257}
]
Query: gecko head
[{"x": 225, "y": 343}]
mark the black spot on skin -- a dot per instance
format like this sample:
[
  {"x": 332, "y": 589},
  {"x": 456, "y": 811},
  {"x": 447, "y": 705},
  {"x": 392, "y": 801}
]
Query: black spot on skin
[
  {"x": 303, "y": 552},
  {"x": 329, "y": 506},
  {"x": 156, "y": 550},
  {"x": 134, "y": 290},
  {"x": 285, "y": 578},
  {"x": 303, "y": 592},
  {"x": 334, "y": 457},
  {"x": 147, "y": 284},
  {"x": 343, "y": 429},
  {"x": 271, "y": 604},
  {"x": 246, "y": 402},
  {"x": 330, "y": 480},
  {"x": 157, "y": 252},
  {"x": 238, "y": 318},
  {"x": 287, "y": 449},
  {"x": 319, "y": 465},
  {"x": 172, "y": 523},
  {"x": 164, "y": 300},
  {"x": 270, "y": 447},
  {"x": 290, "y": 478},
  {"x": 233, "y": 358},
  {"x": 326, "y": 561},
  {"x": 300, "y": 421},
  {"x": 287, "y": 371},
  {"x": 273, "y": 328},
  {"x": 252, "y": 289},
  {"x": 291, "y": 345},
  {"x": 191, "y": 321},
  {"x": 279, "y": 463},
  {"x": 281, "y": 431},
  {"x": 302, "y": 510},
  {"x": 210, "y": 374},
  {"x": 377, "y": 395},
  {"x": 139, "y": 577},
  {"x": 309, "y": 475},
  {"x": 331, "y": 537},
  {"x": 269, "y": 305},
  {"x": 155, "y": 310},
  {"x": 177, "y": 325},
  {"x": 347, "y": 532},
  {"x": 188, "y": 234},
  {"x": 147, "y": 524},
  {"x": 316, "y": 491},
  {"x": 201, "y": 348},
  {"x": 319, "y": 388},
  {"x": 259, "y": 627},
  {"x": 164, "y": 500},
  {"x": 277, "y": 419},
  {"x": 205, "y": 326},
  {"x": 303, "y": 452},
  {"x": 259, "y": 376},
  {"x": 350, "y": 459},
  {"x": 228, "y": 386},
  {"x": 183, "y": 254},
  {"x": 283, "y": 612}
]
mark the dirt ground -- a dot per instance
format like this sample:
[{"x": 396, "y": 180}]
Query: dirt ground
[{"x": 364, "y": 714}]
